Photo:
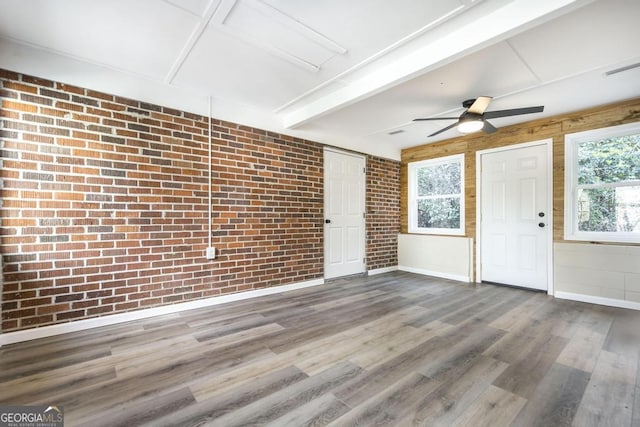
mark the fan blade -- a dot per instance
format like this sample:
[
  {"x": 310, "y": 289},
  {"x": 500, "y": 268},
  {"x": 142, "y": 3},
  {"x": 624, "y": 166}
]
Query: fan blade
[
  {"x": 513, "y": 112},
  {"x": 436, "y": 118},
  {"x": 480, "y": 104},
  {"x": 443, "y": 130},
  {"x": 488, "y": 127}
]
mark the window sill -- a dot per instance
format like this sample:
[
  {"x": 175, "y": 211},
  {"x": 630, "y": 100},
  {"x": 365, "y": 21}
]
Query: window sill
[
  {"x": 599, "y": 238},
  {"x": 438, "y": 232}
]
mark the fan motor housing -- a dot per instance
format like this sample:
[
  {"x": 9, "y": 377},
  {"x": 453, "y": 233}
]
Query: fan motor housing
[
  {"x": 467, "y": 117},
  {"x": 468, "y": 103}
]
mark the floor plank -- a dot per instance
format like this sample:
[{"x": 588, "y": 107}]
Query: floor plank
[
  {"x": 609, "y": 397},
  {"x": 279, "y": 403},
  {"x": 392, "y": 349},
  {"x": 445, "y": 404},
  {"x": 208, "y": 410},
  {"x": 555, "y": 399},
  {"x": 493, "y": 407}
]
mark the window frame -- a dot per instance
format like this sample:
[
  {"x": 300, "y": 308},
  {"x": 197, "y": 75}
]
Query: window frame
[
  {"x": 571, "y": 186},
  {"x": 412, "y": 174}
]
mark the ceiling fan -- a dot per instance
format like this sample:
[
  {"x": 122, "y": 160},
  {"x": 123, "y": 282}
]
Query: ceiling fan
[{"x": 475, "y": 117}]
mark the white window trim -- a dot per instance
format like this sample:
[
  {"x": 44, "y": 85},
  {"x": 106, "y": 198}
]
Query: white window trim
[
  {"x": 571, "y": 142},
  {"x": 411, "y": 172}
]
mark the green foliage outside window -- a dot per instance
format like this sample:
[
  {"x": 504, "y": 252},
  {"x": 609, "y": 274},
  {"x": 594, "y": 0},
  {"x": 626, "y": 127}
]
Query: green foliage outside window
[
  {"x": 439, "y": 190},
  {"x": 439, "y": 213},
  {"x": 608, "y": 200}
]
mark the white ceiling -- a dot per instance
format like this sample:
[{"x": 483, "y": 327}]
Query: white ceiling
[{"x": 345, "y": 73}]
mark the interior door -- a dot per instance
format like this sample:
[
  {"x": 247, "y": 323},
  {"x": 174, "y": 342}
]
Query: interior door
[
  {"x": 514, "y": 217},
  {"x": 344, "y": 206}
]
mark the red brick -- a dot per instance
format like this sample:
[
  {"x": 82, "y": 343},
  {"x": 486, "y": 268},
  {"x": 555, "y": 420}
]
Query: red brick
[
  {"x": 19, "y": 87},
  {"x": 144, "y": 202},
  {"x": 53, "y": 308},
  {"x": 71, "y": 89},
  {"x": 18, "y": 106},
  {"x": 37, "y": 81},
  {"x": 99, "y": 310}
]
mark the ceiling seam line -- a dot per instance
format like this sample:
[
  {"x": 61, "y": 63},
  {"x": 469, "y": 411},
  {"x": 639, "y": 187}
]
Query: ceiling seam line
[
  {"x": 195, "y": 36},
  {"x": 182, "y": 9},
  {"x": 81, "y": 59},
  {"x": 524, "y": 62},
  {"x": 372, "y": 58}
]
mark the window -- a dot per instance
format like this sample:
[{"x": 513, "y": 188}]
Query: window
[
  {"x": 602, "y": 184},
  {"x": 436, "y": 196}
]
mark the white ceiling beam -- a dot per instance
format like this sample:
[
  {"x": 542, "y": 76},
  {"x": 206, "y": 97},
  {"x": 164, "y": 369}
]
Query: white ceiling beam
[
  {"x": 296, "y": 26},
  {"x": 503, "y": 22},
  {"x": 360, "y": 65},
  {"x": 214, "y": 7}
]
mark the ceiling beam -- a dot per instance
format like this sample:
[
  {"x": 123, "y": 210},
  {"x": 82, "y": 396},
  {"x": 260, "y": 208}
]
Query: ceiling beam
[
  {"x": 214, "y": 7},
  {"x": 503, "y": 22}
]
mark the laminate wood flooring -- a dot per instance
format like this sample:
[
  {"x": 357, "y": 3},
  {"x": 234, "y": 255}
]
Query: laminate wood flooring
[{"x": 394, "y": 349}]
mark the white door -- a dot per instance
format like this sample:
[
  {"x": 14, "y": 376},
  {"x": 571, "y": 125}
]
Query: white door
[
  {"x": 344, "y": 204},
  {"x": 515, "y": 217}
]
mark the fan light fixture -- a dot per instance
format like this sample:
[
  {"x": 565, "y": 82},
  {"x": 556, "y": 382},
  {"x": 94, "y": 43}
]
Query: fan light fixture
[
  {"x": 470, "y": 126},
  {"x": 475, "y": 116}
]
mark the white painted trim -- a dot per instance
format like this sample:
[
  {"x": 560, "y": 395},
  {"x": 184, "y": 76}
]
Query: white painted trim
[
  {"x": 550, "y": 275},
  {"x": 478, "y": 275},
  {"x": 201, "y": 26},
  {"x": 382, "y": 270},
  {"x": 434, "y": 273},
  {"x": 271, "y": 14},
  {"x": 598, "y": 300},
  {"x": 291, "y": 23},
  {"x": 412, "y": 169},
  {"x": 80, "y": 325},
  {"x": 510, "y": 18},
  {"x": 471, "y": 243},
  {"x": 363, "y": 190},
  {"x": 345, "y": 152},
  {"x": 549, "y": 145},
  {"x": 571, "y": 141},
  {"x": 421, "y": 31}
]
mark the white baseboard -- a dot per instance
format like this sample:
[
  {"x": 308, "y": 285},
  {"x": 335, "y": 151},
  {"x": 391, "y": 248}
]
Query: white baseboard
[
  {"x": 382, "y": 270},
  {"x": 435, "y": 273},
  {"x": 598, "y": 300},
  {"x": 80, "y": 325}
]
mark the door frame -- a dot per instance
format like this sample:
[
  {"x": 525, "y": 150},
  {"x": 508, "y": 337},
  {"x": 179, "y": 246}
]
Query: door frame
[
  {"x": 324, "y": 206},
  {"x": 548, "y": 143}
]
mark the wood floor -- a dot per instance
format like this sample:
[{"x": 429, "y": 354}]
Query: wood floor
[{"x": 394, "y": 349}]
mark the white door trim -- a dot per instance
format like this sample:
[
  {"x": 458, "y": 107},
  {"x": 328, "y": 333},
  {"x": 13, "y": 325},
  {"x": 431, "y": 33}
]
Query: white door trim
[
  {"x": 549, "y": 146},
  {"x": 364, "y": 204}
]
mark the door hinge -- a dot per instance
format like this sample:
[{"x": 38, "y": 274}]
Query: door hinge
[
  {"x": 364, "y": 170},
  {"x": 364, "y": 215}
]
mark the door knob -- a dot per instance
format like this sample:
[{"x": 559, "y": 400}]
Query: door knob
[
  {"x": 541, "y": 224},
  {"x": 327, "y": 221}
]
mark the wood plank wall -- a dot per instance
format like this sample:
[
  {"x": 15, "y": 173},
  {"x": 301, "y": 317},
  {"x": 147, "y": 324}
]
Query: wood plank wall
[{"x": 555, "y": 127}]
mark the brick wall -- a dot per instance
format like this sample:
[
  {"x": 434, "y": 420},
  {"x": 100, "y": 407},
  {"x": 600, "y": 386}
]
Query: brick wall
[
  {"x": 105, "y": 205},
  {"x": 383, "y": 212}
]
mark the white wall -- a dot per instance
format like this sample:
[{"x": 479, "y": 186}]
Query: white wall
[
  {"x": 440, "y": 256},
  {"x": 604, "y": 274}
]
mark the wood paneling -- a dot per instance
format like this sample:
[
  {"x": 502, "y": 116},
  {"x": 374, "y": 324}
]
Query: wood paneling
[{"x": 555, "y": 127}]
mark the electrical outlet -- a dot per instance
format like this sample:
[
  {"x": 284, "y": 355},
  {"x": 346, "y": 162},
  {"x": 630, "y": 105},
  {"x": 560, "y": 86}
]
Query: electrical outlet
[{"x": 211, "y": 253}]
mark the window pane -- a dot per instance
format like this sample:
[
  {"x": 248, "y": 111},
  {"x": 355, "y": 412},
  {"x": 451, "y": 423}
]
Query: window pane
[
  {"x": 609, "y": 209},
  {"x": 609, "y": 160},
  {"x": 437, "y": 180},
  {"x": 439, "y": 213}
]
